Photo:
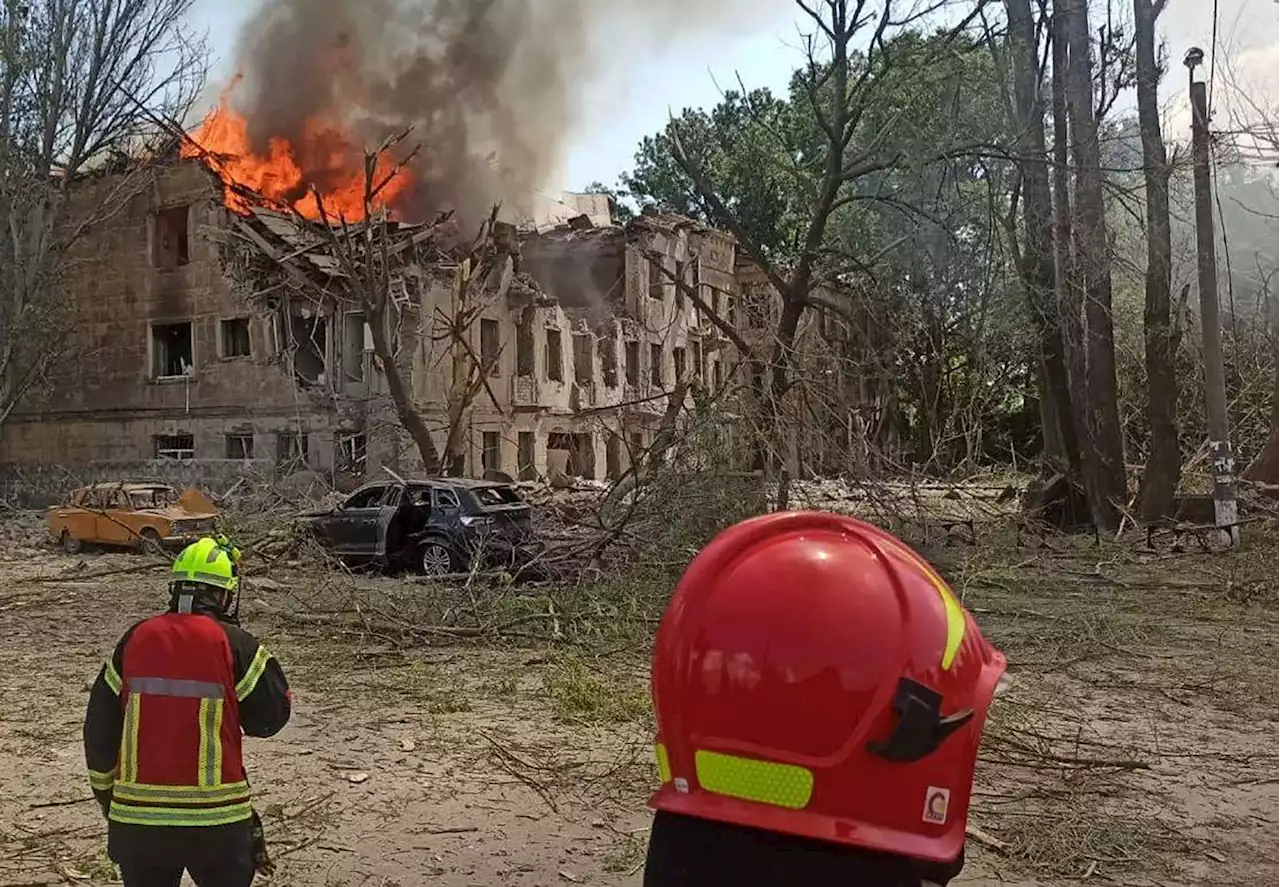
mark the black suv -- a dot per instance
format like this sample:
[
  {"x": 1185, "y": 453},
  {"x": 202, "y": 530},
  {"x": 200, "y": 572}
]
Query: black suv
[{"x": 438, "y": 526}]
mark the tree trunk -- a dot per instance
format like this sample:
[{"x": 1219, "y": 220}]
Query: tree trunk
[
  {"x": 406, "y": 412},
  {"x": 1069, "y": 295},
  {"x": 1039, "y": 277},
  {"x": 1103, "y": 450},
  {"x": 1164, "y": 457}
]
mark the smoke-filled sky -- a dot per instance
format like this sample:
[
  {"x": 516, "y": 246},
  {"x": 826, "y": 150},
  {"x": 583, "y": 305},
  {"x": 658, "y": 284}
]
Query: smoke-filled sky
[{"x": 567, "y": 87}]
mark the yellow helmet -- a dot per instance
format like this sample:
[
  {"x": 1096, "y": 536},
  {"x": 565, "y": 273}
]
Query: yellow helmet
[{"x": 208, "y": 562}]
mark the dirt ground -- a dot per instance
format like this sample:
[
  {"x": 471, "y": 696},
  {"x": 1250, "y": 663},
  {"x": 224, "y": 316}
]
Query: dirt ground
[{"x": 1137, "y": 745}]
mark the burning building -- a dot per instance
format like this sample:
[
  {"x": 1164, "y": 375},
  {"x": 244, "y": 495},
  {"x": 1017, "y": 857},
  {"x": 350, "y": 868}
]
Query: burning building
[{"x": 214, "y": 329}]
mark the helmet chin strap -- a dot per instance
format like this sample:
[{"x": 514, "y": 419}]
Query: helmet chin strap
[{"x": 184, "y": 603}]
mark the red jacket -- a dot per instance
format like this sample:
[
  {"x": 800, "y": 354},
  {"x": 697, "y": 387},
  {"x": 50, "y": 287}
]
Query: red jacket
[{"x": 163, "y": 729}]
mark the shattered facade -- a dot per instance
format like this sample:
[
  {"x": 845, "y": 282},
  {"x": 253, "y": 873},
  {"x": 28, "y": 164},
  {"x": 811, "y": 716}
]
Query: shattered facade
[{"x": 188, "y": 347}]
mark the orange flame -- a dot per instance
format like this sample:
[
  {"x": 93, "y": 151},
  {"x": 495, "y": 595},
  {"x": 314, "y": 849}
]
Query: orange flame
[{"x": 324, "y": 156}]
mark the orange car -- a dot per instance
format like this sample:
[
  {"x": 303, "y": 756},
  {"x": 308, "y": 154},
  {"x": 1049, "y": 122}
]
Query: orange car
[{"x": 145, "y": 516}]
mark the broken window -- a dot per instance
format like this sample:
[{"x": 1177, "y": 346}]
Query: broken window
[
  {"x": 613, "y": 457},
  {"x": 311, "y": 341},
  {"x": 240, "y": 446},
  {"x": 175, "y": 446},
  {"x": 715, "y": 304},
  {"x": 633, "y": 363},
  {"x": 351, "y": 453},
  {"x": 524, "y": 456},
  {"x": 357, "y": 339},
  {"x": 719, "y": 374},
  {"x": 637, "y": 447},
  {"x": 235, "y": 337},
  {"x": 524, "y": 345},
  {"x": 608, "y": 349},
  {"x": 655, "y": 364},
  {"x": 728, "y": 310},
  {"x": 696, "y": 348},
  {"x": 172, "y": 247},
  {"x": 171, "y": 351},
  {"x": 555, "y": 357},
  {"x": 682, "y": 274},
  {"x": 583, "y": 369},
  {"x": 576, "y": 451},
  {"x": 677, "y": 355},
  {"x": 291, "y": 448},
  {"x": 491, "y": 452},
  {"x": 656, "y": 281},
  {"x": 490, "y": 346}
]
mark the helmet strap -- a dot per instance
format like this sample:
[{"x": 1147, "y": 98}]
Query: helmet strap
[{"x": 184, "y": 603}]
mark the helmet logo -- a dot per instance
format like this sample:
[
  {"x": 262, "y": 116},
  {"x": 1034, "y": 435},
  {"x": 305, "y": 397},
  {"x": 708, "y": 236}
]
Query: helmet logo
[{"x": 936, "y": 801}]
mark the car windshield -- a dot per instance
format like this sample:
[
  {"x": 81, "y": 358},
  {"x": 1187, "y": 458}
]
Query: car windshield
[
  {"x": 156, "y": 497},
  {"x": 497, "y": 496}
]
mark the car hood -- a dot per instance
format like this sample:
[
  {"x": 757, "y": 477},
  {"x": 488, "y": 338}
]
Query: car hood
[{"x": 177, "y": 512}]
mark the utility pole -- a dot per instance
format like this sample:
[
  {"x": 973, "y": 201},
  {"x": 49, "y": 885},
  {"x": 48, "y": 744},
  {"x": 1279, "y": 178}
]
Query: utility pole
[{"x": 1221, "y": 459}]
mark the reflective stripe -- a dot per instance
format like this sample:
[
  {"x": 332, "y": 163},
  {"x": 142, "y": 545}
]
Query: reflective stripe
[
  {"x": 183, "y": 816},
  {"x": 129, "y": 739},
  {"x": 102, "y": 780},
  {"x": 664, "y": 763},
  {"x": 195, "y": 794},
  {"x": 250, "y": 679},
  {"x": 175, "y": 687},
  {"x": 112, "y": 677},
  {"x": 211, "y": 579},
  {"x": 782, "y": 785},
  {"x": 210, "y": 767},
  {"x": 954, "y": 612}
]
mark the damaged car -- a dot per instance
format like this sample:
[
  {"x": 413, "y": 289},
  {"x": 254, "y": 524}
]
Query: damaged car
[
  {"x": 145, "y": 516},
  {"x": 437, "y": 527}
]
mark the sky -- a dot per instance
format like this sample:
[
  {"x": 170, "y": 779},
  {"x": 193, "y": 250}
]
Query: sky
[{"x": 634, "y": 97}]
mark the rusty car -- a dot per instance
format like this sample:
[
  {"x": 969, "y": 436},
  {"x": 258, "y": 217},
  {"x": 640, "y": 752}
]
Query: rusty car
[{"x": 142, "y": 515}]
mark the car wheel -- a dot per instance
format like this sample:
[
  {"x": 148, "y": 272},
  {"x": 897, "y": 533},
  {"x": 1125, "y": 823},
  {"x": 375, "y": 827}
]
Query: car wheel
[
  {"x": 149, "y": 541},
  {"x": 436, "y": 559},
  {"x": 69, "y": 543}
]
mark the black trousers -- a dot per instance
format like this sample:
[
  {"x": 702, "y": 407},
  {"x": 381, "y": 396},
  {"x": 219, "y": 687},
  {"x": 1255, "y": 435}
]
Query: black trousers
[
  {"x": 686, "y": 852},
  {"x": 151, "y": 856}
]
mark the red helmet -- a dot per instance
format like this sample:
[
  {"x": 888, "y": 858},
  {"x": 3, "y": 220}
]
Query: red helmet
[{"x": 814, "y": 676}]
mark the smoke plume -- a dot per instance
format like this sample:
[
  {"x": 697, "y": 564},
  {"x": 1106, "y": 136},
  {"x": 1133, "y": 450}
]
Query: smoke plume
[{"x": 492, "y": 88}]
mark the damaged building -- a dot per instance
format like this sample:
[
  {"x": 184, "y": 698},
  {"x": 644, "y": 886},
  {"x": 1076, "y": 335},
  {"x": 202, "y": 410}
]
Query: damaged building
[{"x": 195, "y": 341}]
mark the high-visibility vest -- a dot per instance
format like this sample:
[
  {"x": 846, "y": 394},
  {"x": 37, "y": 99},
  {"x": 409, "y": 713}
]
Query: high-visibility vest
[{"x": 180, "y": 760}]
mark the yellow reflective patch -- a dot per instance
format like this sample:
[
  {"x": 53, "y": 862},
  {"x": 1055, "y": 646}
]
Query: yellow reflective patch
[
  {"x": 954, "y": 612},
  {"x": 782, "y": 785},
  {"x": 112, "y": 677},
  {"x": 100, "y": 780},
  {"x": 194, "y": 794},
  {"x": 664, "y": 764},
  {"x": 129, "y": 739},
  {"x": 254, "y": 672},
  {"x": 210, "y": 760},
  {"x": 183, "y": 816}
]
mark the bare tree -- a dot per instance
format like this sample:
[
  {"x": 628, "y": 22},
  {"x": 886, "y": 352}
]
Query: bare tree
[
  {"x": 1103, "y": 449},
  {"x": 86, "y": 86},
  {"x": 846, "y": 93},
  {"x": 367, "y": 254},
  {"x": 1164, "y": 457},
  {"x": 1036, "y": 262}
]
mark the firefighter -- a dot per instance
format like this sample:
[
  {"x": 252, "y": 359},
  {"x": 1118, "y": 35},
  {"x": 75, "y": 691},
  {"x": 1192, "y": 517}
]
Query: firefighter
[
  {"x": 820, "y": 696},
  {"x": 162, "y": 735}
]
